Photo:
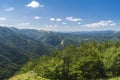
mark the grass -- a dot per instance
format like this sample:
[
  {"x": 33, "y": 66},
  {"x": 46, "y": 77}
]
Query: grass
[
  {"x": 28, "y": 76},
  {"x": 116, "y": 78}
]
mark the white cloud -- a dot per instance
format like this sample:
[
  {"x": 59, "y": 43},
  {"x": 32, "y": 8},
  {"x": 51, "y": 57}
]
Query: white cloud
[
  {"x": 10, "y": 9},
  {"x": 101, "y": 24},
  {"x": 2, "y": 18},
  {"x": 52, "y": 19},
  {"x": 37, "y": 17},
  {"x": 58, "y": 19},
  {"x": 112, "y": 24},
  {"x": 24, "y": 24},
  {"x": 34, "y": 4},
  {"x": 73, "y": 19}
]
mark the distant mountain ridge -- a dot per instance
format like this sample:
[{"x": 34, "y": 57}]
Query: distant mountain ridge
[{"x": 55, "y": 38}]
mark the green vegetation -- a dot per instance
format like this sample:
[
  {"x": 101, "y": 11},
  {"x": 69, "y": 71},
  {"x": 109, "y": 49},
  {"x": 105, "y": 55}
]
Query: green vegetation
[
  {"x": 116, "y": 78},
  {"x": 85, "y": 60},
  {"x": 90, "y": 60},
  {"x": 16, "y": 50},
  {"x": 28, "y": 76}
]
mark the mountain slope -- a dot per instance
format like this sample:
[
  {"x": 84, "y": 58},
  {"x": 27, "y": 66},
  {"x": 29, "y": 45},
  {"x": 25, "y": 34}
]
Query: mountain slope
[
  {"x": 16, "y": 50},
  {"x": 28, "y": 76},
  {"x": 89, "y": 61},
  {"x": 14, "y": 39},
  {"x": 10, "y": 60}
]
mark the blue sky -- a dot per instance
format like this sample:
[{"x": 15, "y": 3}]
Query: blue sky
[{"x": 61, "y": 15}]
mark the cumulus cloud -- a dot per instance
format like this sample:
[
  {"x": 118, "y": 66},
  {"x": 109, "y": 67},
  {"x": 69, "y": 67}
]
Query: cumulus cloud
[
  {"x": 73, "y": 19},
  {"x": 52, "y": 19},
  {"x": 37, "y": 17},
  {"x": 101, "y": 24},
  {"x": 58, "y": 19},
  {"x": 55, "y": 19},
  {"x": 34, "y": 4},
  {"x": 10, "y": 9},
  {"x": 2, "y": 18}
]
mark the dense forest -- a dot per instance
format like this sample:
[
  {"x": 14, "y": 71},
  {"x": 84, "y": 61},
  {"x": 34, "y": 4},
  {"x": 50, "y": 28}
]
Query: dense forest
[
  {"x": 88, "y": 61},
  {"x": 16, "y": 50}
]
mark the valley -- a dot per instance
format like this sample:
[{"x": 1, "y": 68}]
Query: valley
[{"x": 25, "y": 50}]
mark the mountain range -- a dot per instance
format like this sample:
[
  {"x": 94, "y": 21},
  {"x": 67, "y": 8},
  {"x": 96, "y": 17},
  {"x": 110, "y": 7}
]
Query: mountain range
[{"x": 18, "y": 46}]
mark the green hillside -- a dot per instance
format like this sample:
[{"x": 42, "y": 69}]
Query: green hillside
[
  {"x": 89, "y": 61},
  {"x": 28, "y": 76},
  {"x": 16, "y": 50}
]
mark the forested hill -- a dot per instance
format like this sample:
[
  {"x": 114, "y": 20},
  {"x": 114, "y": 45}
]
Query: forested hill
[
  {"x": 89, "y": 61},
  {"x": 16, "y": 50}
]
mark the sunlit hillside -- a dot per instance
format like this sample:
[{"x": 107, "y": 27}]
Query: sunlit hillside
[{"x": 28, "y": 76}]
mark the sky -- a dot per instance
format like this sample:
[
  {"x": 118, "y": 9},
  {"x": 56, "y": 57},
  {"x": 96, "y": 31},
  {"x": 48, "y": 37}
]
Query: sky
[{"x": 61, "y": 15}]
